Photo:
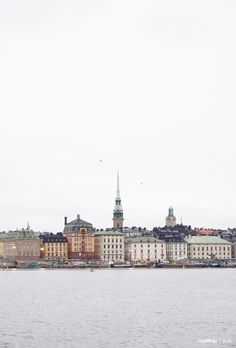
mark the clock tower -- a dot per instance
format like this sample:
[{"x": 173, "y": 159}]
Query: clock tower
[{"x": 170, "y": 219}]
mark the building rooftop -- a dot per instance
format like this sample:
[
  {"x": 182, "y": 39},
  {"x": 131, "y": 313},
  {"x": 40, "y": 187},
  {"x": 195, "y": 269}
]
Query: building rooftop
[
  {"x": 16, "y": 235},
  {"x": 75, "y": 225},
  {"x": 53, "y": 238},
  {"x": 108, "y": 233},
  {"x": 206, "y": 240},
  {"x": 143, "y": 239}
]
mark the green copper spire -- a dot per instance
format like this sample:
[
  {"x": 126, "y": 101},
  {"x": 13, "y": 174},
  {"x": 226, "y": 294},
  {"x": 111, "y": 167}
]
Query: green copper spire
[{"x": 118, "y": 211}]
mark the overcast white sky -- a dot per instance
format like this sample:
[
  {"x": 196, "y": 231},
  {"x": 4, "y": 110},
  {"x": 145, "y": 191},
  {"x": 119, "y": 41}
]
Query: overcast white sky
[{"x": 147, "y": 86}]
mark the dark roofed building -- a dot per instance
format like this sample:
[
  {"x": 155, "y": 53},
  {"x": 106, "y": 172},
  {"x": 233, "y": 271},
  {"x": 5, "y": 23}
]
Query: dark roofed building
[
  {"x": 53, "y": 238},
  {"x": 54, "y": 246}
]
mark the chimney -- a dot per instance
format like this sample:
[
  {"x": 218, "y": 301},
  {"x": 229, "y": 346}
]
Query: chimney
[{"x": 65, "y": 220}]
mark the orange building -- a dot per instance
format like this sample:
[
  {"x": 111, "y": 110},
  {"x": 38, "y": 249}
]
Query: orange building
[{"x": 80, "y": 236}]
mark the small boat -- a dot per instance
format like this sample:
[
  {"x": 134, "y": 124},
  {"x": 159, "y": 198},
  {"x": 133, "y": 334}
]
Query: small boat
[{"x": 123, "y": 265}]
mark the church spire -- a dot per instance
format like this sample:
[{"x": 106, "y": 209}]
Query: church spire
[
  {"x": 118, "y": 211},
  {"x": 118, "y": 187}
]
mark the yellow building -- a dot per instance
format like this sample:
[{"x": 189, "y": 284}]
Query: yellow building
[
  {"x": 20, "y": 245},
  {"x": 54, "y": 246},
  {"x": 206, "y": 247}
]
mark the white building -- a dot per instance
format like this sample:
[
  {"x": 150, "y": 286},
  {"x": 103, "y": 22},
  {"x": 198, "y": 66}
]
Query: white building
[
  {"x": 145, "y": 249},
  {"x": 109, "y": 246},
  {"x": 176, "y": 251}
]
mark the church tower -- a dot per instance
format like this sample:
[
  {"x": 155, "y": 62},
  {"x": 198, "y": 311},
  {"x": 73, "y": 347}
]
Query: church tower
[
  {"x": 118, "y": 211},
  {"x": 170, "y": 219}
]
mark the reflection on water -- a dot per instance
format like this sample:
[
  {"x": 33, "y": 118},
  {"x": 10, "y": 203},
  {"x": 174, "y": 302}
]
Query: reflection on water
[{"x": 118, "y": 308}]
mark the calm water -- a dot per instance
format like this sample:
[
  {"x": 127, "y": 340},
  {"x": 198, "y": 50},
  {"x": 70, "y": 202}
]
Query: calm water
[{"x": 118, "y": 308}]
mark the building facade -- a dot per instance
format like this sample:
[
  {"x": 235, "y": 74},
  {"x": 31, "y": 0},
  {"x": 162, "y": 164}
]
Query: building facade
[
  {"x": 170, "y": 219},
  {"x": 145, "y": 249},
  {"x": 118, "y": 217},
  {"x": 208, "y": 247},
  {"x": 53, "y": 246},
  {"x": 80, "y": 236},
  {"x": 1, "y": 249},
  {"x": 109, "y": 246},
  {"x": 21, "y": 245},
  {"x": 176, "y": 250}
]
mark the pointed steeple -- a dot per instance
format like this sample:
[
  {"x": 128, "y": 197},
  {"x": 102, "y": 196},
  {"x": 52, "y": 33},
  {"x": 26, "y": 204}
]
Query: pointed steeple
[
  {"x": 118, "y": 211},
  {"x": 118, "y": 187}
]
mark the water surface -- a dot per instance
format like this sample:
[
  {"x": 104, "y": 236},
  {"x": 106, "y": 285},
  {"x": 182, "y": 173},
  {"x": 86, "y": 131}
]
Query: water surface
[{"x": 118, "y": 308}]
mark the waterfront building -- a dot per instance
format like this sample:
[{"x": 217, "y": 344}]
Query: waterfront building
[
  {"x": 109, "y": 246},
  {"x": 206, "y": 247},
  {"x": 176, "y": 250},
  {"x": 233, "y": 241},
  {"x": 54, "y": 246},
  {"x": 118, "y": 217},
  {"x": 20, "y": 245},
  {"x": 144, "y": 248},
  {"x": 230, "y": 237},
  {"x": 170, "y": 219},
  {"x": 80, "y": 236},
  {"x": 1, "y": 249}
]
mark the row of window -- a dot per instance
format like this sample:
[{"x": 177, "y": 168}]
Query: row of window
[
  {"x": 78, "y": 239},
  {"x": 148, "y": 245},
  {"x": 111, "y": 240},
  {"x": 176, "y": 253},
  {"x": 112, "y": 246},
  {"x": 52, "y": 249},
  {"x": 211, "y": 248},
  {"x": 56, "y": 254},
  {"x": 217, "y": 254},
  {"x": 83, "y": 243},
  {"x": 170, "y": 247},
  {"x": 206, "y": 257},
  {"x": 55, "y": 244},
  {"x": 141, "y": 250}
]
